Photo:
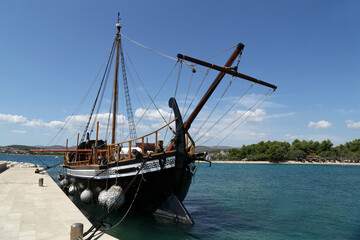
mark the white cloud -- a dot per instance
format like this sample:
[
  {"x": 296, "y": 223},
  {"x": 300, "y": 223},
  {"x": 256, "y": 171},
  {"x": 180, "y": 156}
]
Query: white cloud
[
  {"x": 334, "y": 139},
  {"x": 258, "y": 134},
  {"x": 38, "y": 123},
  {"x": 8, "y": 118},
  {"x": 250, "y": 99},
  {"x": 256, "y": 116},
  {"x": 76, "y": 122},
  {"x": 280, "y": 115},
  {"x": 288, "y": 136},
  {"x": 320, "y": 124},
  {"x": 344, "y": 111},
  {"x": 18, "y": 131},
  {"x": 352, "y": 125},
  {"x": 152, "y": 114}
]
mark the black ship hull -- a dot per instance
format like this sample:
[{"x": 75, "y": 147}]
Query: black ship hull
[{"x": 149, "y": 183}]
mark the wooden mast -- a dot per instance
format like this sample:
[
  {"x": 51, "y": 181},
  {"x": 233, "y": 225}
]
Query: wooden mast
[
  {"x": 211, "y": 89},
  {"x": 115, "y": 91},
  {"x": 220, "y": 76}
]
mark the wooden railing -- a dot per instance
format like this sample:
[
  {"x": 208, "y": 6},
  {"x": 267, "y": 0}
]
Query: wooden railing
[
  {"x": 114, "y": 148},
  {"x": 113, "y": 151}
]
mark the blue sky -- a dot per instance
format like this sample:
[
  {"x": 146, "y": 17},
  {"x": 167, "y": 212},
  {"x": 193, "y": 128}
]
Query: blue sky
[{"x": 51, "y": 51}]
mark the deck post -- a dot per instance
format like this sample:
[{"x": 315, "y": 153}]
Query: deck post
[
  {"x": 96, "y": 142},
  {"x": 41, "y": 182},
  {"x": 142, "y": 145},
  {"x": 77, "y": 144},
  {"x": 76, "y": 231},
  {"x": 156, "y": 141},
  {"x": 129, "y": 149}
]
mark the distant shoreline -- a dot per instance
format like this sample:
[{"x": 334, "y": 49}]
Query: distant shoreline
[{"x": 287, "y": 162}]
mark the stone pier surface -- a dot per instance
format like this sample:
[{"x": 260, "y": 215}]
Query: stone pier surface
[{"x": 28, "y": 211}]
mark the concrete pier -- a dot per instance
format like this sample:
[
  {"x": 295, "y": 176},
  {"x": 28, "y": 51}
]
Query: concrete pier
[{"x": 28, "y": 211}]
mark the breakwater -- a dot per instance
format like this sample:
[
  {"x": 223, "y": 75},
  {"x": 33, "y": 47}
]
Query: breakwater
[{"x": 12, "y": 164}]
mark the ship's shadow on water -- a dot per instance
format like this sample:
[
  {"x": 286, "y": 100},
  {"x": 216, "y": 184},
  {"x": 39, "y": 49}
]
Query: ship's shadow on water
[
  {"x": 136, "y": 225},
  {"x": 212, "y": 220},
  {"x": 209, "y": 222}
]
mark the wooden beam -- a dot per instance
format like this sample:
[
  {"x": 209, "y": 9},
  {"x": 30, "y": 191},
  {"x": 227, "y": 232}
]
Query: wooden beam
[{"x": 226, "y": 70}]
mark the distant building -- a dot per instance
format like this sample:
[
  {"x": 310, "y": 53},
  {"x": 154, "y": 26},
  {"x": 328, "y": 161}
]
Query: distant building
[{"x": 313, "y": 155}]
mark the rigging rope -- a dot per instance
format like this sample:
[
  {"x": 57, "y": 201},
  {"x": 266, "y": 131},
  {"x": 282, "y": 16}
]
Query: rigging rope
[
  {"x": 101, "y": 98},
  {"x": 129, "y": 111},
  {"x": 78, "y": 107},
  {"x": 204, "y": 122},
  {"x": 218, "y": 53},
  {"x": 99, "y": 222},
  {"x": 263, "y": 100},
  {"x": 225, "y": 112},
  {"x": 206, "y": 74},
  {"x": 152, "y": 100},
  {"x": 187, "y": 93},
  {"x": 141, "y": 103},
  {"x": 176, "y": 88},
  {"x": 47, "y": 166},
  {"x": 126, "y": 213},
  {"x": 97, "y": 96},
  {"x": 157, "y": 52},
  {"x": 231, "y": 79}
]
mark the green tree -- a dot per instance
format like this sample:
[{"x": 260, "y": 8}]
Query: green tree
[
  {"x": 325, "y": 145},
  {"x": 293, "y": 154}
]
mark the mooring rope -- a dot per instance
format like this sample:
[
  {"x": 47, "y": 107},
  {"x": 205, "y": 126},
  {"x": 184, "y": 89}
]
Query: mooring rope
[
  {"x": 98, "y": 223},
  {"x": 132, "y": 202}
]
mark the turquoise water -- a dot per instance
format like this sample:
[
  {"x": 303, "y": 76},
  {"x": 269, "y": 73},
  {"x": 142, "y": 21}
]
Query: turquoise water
[{"x": 250, "y": 201}]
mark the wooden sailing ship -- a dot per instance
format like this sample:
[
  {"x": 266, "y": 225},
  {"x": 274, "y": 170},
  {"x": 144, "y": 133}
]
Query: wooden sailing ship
[{"x": 162, "y": 171}]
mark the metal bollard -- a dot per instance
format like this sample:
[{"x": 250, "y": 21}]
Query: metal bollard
[
  {"x": 41, "y": 182},
  {"x": 76, "y": 231}
]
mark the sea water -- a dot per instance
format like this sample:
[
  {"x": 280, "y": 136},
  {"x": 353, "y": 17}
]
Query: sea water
[{"x": 254, "y": 201}]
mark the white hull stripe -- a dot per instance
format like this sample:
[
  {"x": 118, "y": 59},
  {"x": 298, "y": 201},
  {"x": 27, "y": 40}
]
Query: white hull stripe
[{"x": 113, "y": 172}]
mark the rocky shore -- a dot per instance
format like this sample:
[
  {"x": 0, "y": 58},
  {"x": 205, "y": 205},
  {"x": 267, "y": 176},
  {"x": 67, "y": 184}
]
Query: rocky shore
[{"x": 11, "y": 164}]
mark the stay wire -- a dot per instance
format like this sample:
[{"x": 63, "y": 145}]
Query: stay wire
[
  {"x": 212, "y": 111},
  {"x": 206, "y": 74},
  {"x": 243, "y": 114},
  {"x": 79, "y": 106},
  {"x": 263, "y": 100},
  {"x": 222, "y": 116},
  {"x": 152, "y": 100},
  {"x": 101, "y": 97},
  {"x": 231, "y": 79},
  {"x": 97, "y": 96},
  {"x": 156, "y": 93},
  {"x": 157, "y": 52},
  {"x": 187, "y": 93},
  {"x": 133, "y": 85},
  {"x": 176, "y": 88},
  {"x": 218, "y": 53}
]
